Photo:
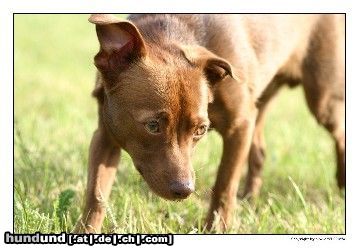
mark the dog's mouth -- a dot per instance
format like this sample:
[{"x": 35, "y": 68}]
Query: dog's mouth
[
  {"x": 163, "y": 189},
  {"x": 165, "y": 192}
]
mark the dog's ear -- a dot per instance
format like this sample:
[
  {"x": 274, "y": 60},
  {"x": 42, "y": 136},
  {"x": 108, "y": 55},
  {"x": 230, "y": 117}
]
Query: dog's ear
[
  {"x": 214, "y": 67},
  {"x": 120, "y": 42}
]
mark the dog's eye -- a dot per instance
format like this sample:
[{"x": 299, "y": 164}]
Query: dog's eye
[
  {"x": 153, "y": 127},
  {"x": 200, "y": 131}
]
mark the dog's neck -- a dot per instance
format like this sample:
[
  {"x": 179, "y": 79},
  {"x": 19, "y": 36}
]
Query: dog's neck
[{"x": 167, "y": 29}]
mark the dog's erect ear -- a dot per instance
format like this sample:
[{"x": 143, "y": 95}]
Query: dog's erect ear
[
  {"x": 214, "y": 67},
  {"x": 120, "y": 42}
]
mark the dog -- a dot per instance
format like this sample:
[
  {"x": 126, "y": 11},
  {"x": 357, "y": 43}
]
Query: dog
[{"x": 164, "y": 79}]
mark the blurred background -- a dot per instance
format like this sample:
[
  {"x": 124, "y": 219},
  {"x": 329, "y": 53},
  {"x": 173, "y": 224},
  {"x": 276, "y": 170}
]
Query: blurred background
[{"x": 55, "y": 116}]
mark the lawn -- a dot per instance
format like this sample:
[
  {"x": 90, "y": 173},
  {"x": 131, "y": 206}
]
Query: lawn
[{"x": 54, "y": 120}]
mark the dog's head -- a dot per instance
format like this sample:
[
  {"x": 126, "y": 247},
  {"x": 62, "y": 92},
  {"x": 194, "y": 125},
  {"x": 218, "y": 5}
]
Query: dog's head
[{"x": 154, "y": 101}]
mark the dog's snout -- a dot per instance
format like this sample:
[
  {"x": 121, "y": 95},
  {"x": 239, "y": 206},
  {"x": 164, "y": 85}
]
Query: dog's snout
[{"x": 182, "y": 189}]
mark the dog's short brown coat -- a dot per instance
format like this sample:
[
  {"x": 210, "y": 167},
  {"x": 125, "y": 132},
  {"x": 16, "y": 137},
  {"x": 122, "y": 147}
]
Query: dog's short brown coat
[{"x": 186, "y": 71}]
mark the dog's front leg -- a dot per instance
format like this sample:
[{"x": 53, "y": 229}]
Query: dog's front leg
[
  {"x": 103, "y": 160},
  {"x": 236, "y": 144}
]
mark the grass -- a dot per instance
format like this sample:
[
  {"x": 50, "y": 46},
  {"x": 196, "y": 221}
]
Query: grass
[{"x": 54, "y": 120}]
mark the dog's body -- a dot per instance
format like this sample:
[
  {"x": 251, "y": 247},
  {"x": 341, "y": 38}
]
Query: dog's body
[{"x": 163, "y": 78}]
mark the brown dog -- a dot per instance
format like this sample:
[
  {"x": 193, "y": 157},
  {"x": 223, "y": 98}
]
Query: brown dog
[{"x": 163, "y": 79}]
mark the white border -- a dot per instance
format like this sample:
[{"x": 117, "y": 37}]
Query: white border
[{"x": 6, "y": 93}]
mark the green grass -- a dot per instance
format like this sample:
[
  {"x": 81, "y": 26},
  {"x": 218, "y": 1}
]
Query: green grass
[{"x": 54, "y": 120}]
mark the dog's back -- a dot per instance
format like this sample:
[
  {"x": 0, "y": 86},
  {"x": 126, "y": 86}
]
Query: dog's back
[{"x": 259, "y": 46}]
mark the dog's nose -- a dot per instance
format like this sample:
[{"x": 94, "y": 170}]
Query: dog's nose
[{"x": 181, "y": 189}]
